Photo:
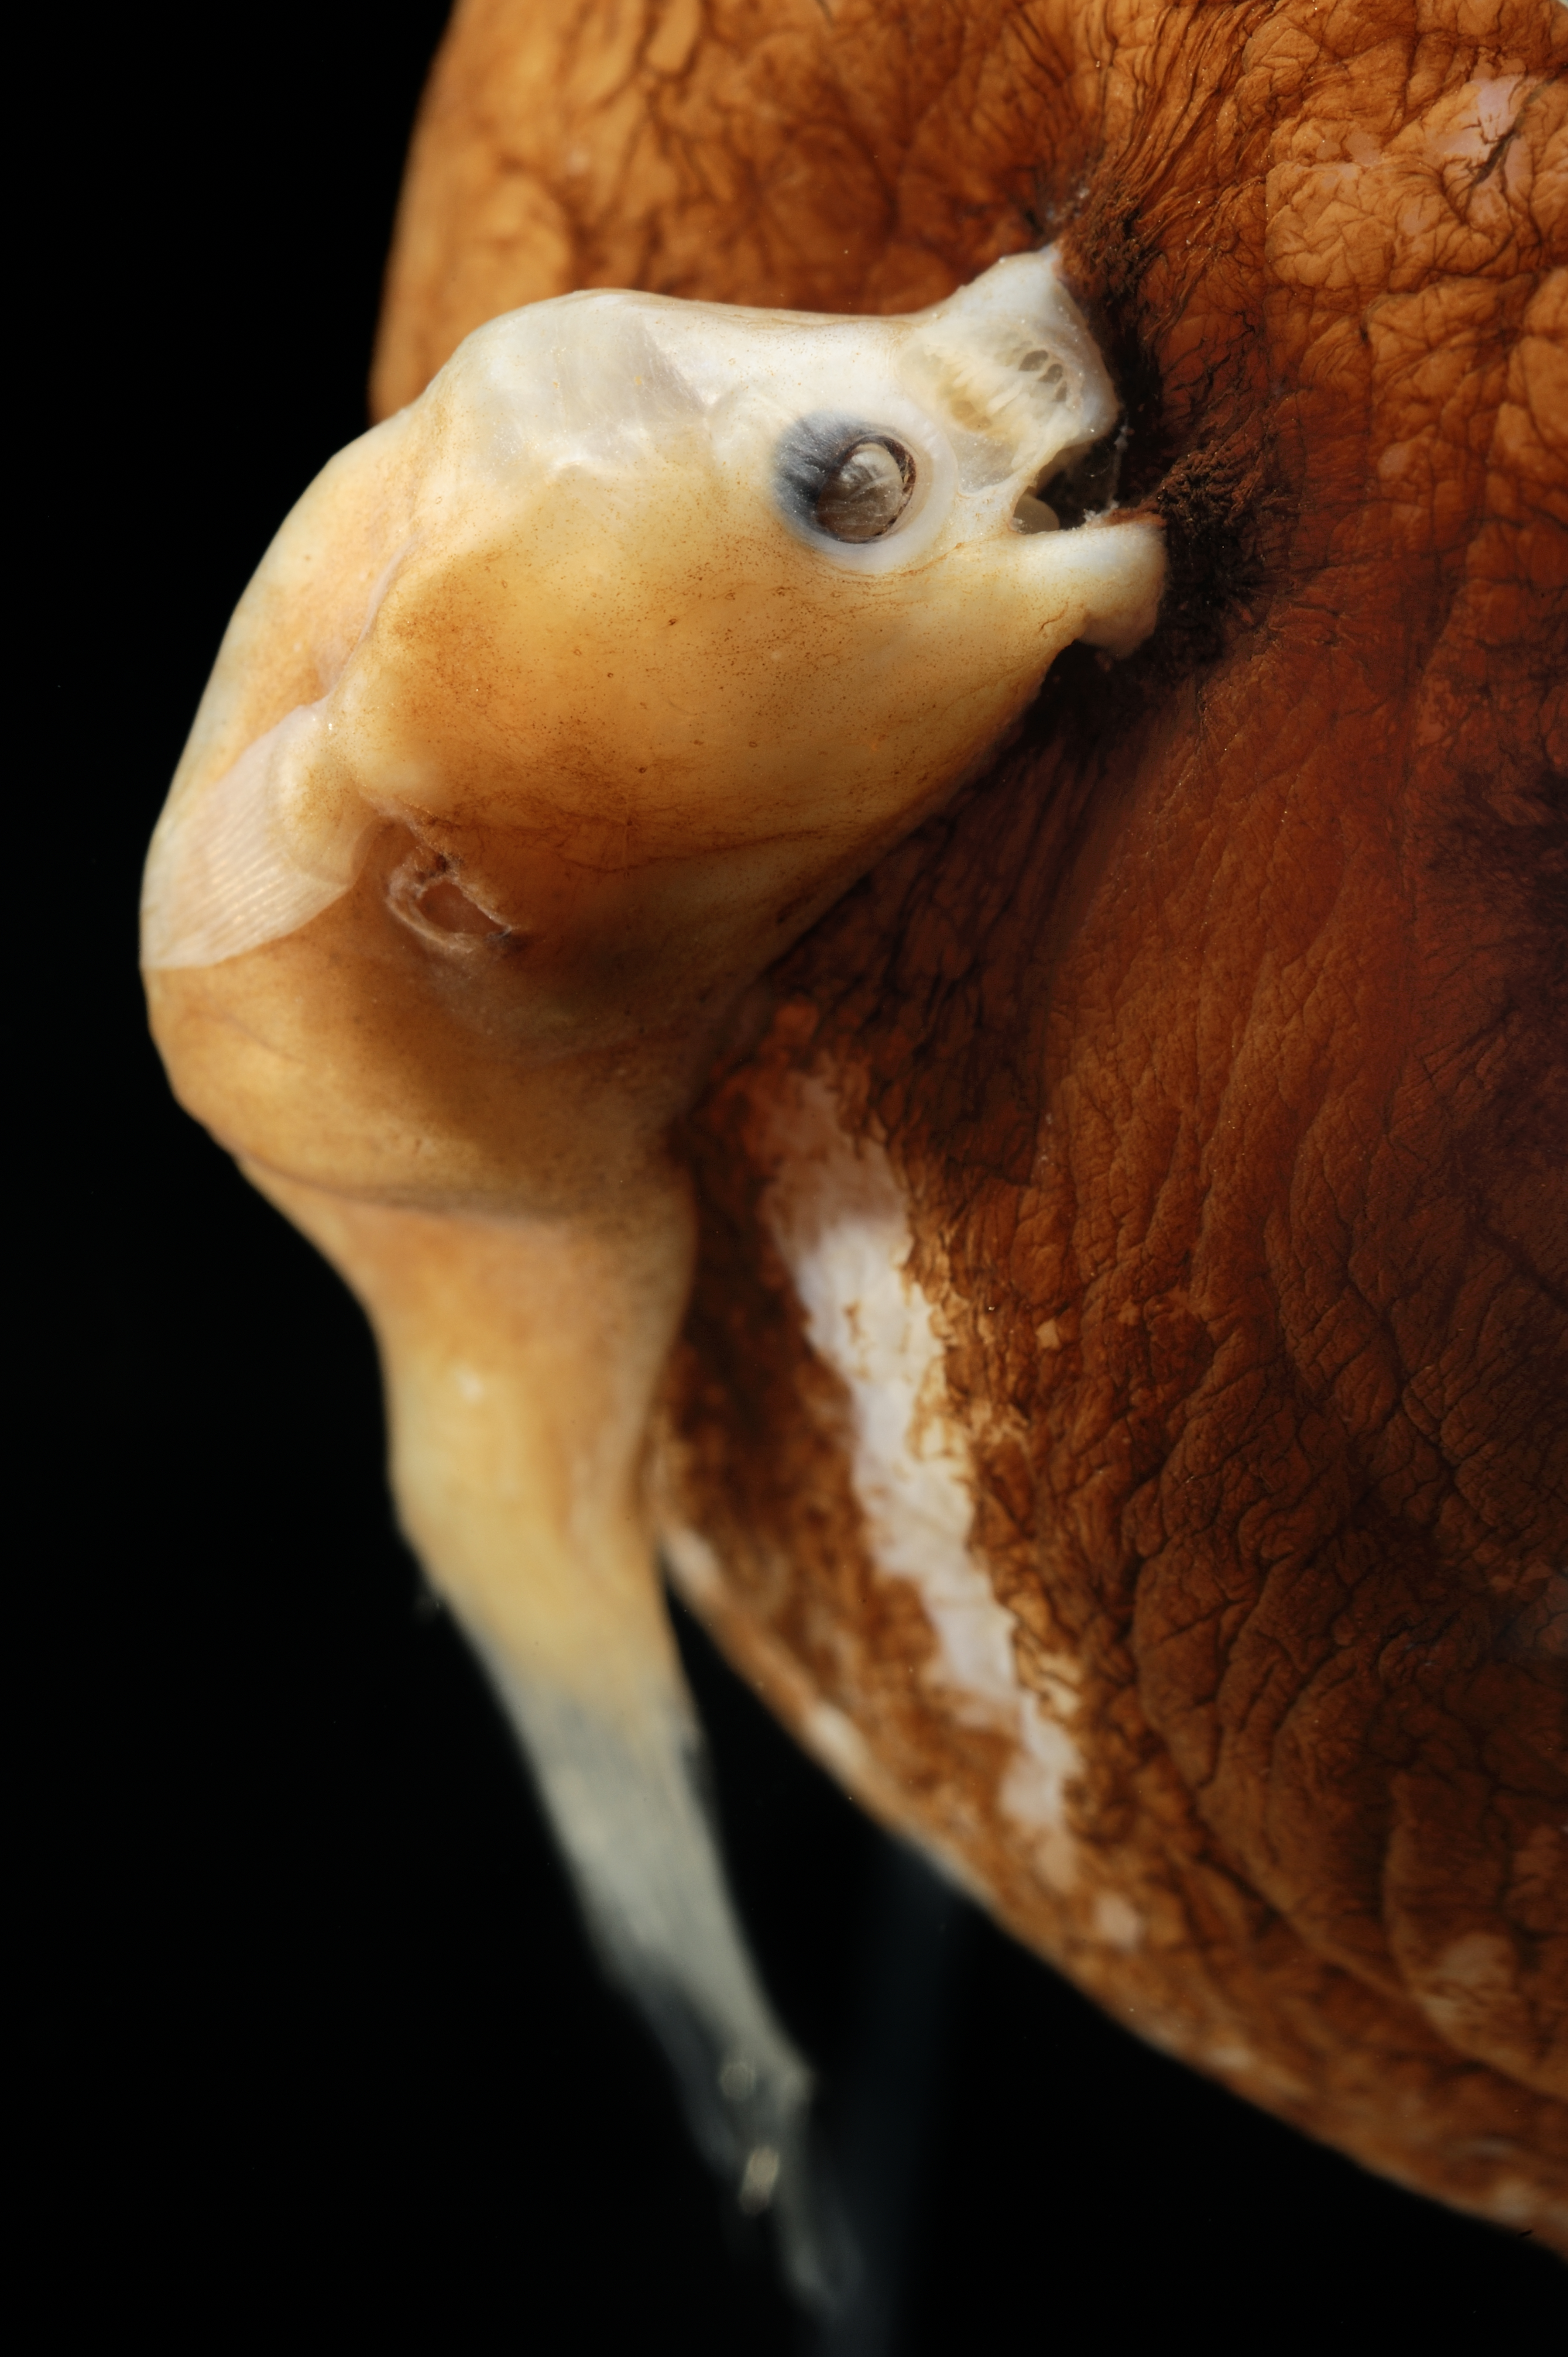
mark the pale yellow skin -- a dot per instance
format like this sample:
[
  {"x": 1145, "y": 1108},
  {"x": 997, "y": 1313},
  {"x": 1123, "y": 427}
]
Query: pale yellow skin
[{"x": 520, "y": 1360}]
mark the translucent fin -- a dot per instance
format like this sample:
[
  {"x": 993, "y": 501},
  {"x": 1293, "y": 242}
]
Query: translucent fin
[
  {"x": 253, "y": 856},
  {"x": 623, "y": 1793}
]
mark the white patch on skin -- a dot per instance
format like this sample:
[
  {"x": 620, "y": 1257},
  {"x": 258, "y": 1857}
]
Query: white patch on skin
[
  {"x": 690, "y": 1556},
  {"x": 1472, "y": 1976},
  {"x": 1481, "y": 1961},
  {"x": 1474, "y": 118},
  {"x": 1514, "y": 2202},
  {"x": 1231, "y": 2057},
  {"x": 1493, "y": 109},
  {"x": 1117, "y": 1923},
  {"x": 1497, "y": 102},
  {"x": 836, "y": 1740},
  {"x": 840, "y": 1222}
]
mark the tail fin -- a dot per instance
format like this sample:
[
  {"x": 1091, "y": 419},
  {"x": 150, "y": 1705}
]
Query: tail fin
[
  {"x": 521, "y": 1359},
  {"x": 625, "y": 1795}
]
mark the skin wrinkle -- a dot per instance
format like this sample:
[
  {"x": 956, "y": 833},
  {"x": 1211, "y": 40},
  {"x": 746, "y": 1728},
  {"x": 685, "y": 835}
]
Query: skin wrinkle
[{"x": 1213, "y": 1035}]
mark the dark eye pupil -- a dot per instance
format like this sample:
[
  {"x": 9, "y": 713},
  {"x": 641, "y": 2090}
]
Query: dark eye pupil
[{"x": 867, "y": 491}]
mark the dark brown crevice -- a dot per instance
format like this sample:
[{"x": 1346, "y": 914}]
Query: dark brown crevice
[{"x": 1220, "y": 500}]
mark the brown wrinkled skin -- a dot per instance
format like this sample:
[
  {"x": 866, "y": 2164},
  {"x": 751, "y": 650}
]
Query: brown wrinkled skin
[{"x": 1217, "y": 1039}]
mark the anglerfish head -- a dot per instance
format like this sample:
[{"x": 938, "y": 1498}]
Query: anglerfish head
[
  {"x": 565, "y": 699},
  {"x": 638, "y": 581}
]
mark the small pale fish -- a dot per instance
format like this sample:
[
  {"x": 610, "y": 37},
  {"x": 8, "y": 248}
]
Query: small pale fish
[{"x": 562, "y": 704}]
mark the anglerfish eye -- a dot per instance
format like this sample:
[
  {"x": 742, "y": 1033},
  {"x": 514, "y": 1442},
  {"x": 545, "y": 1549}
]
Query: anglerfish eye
[
  {"x": 849, "y": 480},
  {"x": 868, "y": 492}
]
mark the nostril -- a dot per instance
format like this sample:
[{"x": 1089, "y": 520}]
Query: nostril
[
  {"x": 448, "y": 908},
  {"x": 425, "y": 894}
]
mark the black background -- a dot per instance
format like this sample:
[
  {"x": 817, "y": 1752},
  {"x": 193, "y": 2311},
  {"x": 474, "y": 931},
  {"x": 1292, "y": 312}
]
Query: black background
[{"x": 319, "y": 2041}]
